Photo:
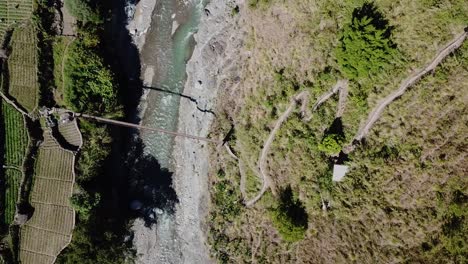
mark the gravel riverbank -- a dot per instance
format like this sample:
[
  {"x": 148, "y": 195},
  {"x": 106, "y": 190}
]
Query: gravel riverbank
[{"x": 211, "y": 68}]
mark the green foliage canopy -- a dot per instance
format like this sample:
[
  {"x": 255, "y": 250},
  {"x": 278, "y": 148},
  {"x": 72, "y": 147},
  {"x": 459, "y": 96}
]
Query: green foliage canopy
[
  {"x": 331, "y": 144},
  {"x": 89, "y": 82},
  {"x": 290, "y": 217},
  {"x": 84, "y": 203},
  {"x": 365, "y": 46}
]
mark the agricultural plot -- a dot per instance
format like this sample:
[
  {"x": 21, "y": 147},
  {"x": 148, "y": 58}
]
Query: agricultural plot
[
  {"x": 68, "y": 130},
  {"x": 50, "y": 228},
  {"x": 12, "y": 12},
  {"x": 16, "y": 142},
  {"x": 22, "y": 67}
]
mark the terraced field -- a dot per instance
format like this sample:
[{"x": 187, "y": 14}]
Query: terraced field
[
  {"x": 22, "y": 66},
  {"x": 50, "y": 228},
  {"x": 16, "y": 142},
  {"x": 68, "y": 131},
  {"x": 12, "y": 12}
]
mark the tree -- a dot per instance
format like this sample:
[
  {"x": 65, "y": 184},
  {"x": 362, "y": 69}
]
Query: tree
[
  {"x": 84, "y": 202},
  {"x": 290, "y": 217},
  {"x": 331, "y": 144},
  {"x": 89, "y": 82},
  {"x": 365, "y": 46}
]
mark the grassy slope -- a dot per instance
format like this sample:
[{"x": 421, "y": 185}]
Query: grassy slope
[{"x": 366, "y": 222}]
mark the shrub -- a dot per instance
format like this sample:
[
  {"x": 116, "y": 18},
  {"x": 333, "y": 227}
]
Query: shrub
[
  {"x": 331, "y": 144},
  {"x": 365, "y": 44},
  {"x": 290, "y": 217},
  {"x": 84, "y": 203}
]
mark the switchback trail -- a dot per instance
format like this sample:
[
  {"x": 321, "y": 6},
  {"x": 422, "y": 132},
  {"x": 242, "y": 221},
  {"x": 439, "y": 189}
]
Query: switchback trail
[
  {"x": 303, "y": 98},
  {"x": 377, "y": 112}
]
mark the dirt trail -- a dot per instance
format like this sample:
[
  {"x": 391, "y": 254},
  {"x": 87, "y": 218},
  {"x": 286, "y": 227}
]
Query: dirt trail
[
  {"x": 65, "y": 51},
  {"x": 13, "y": 104},
  {"x": 341, "y": 84},
  {"x": 303, "y": 98},
  {"x": 377, "y": 112},
  {"x": 343, "y": 97},
  {"x": 266, "y": 147}
]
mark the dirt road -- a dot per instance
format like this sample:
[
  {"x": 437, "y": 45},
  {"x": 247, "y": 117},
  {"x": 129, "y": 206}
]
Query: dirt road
[{"x": 377, "y": 112}]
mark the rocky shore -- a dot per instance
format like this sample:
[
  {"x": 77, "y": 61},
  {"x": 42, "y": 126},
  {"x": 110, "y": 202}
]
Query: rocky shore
[{"x": 212, "y": 67}]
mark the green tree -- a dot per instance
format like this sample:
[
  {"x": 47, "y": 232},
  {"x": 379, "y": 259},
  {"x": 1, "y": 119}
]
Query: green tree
[
  {"x": 331, "y": 144},
  {"x": 365, "y": 46},
  {"x": 290, "y": 217},
  {"x": 84, "y": 203},
  {"x": 89, "y": 85}
]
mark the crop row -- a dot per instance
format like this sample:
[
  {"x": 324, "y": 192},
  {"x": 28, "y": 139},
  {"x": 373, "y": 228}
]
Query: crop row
[
  {"x": 59, "y": 168},
  {"x": 50, "y": 228},
  {"x": 23, "y": 75},
  {"x": 12, "y": 182},
  {"x": 22, "y": 66},
  {"x": 27, "y": 56},
  {"x": 42, "y": 241},
  {"x": 51, "y": 192},
  {"x": 30, "y": 257},
  {"x": 13, "y": 11},
  {"x": 16, "y": 138},
  {"x": 15, "y": 144},
  {"x": 70, "y": 133},
  {"x": 56, "y": 218}
]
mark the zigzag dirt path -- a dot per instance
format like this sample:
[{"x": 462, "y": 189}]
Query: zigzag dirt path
[{"x": 303, "y": 98}]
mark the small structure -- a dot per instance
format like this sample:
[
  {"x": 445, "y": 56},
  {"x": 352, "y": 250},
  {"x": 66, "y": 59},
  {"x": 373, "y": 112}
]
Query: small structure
[{"x": 339, "y": 171}]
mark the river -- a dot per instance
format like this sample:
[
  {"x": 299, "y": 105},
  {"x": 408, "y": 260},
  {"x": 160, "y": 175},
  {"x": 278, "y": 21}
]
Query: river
[{"x": 168, "y": 46}]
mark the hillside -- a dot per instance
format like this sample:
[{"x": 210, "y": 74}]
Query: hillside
[{"x": 405, "y": 195}]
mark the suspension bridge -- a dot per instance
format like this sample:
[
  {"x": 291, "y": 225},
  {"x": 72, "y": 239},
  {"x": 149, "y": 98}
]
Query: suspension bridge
[{"x": 140, "y": 127}]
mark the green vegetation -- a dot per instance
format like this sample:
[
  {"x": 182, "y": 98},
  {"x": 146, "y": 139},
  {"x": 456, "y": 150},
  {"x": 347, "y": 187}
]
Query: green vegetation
[
  {"x": 396, "y": 204},
  {"x": 84, "y": 10},
  {"x": 16, "y": 141},
  {"x": 259, "y": 3},
  {"x": 89, "y": 84},
  {"x": 227, "y": 199},
  {"x": 84, "y": 203},
  {"x": 365, "y": 47},
  {"x": 290, "y": 217},
  {"x": 331, "y": 144},
  {"x": 59, "y": 46}
]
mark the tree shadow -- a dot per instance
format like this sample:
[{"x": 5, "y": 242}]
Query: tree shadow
[
  {"x": 336, "y": 128},
  {"x": 369, "y": 10},
  {"x": 293, "y": 208}
]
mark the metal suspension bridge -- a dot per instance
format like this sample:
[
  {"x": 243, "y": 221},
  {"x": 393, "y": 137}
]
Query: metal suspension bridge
[{"x": 131, "y": 125}]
